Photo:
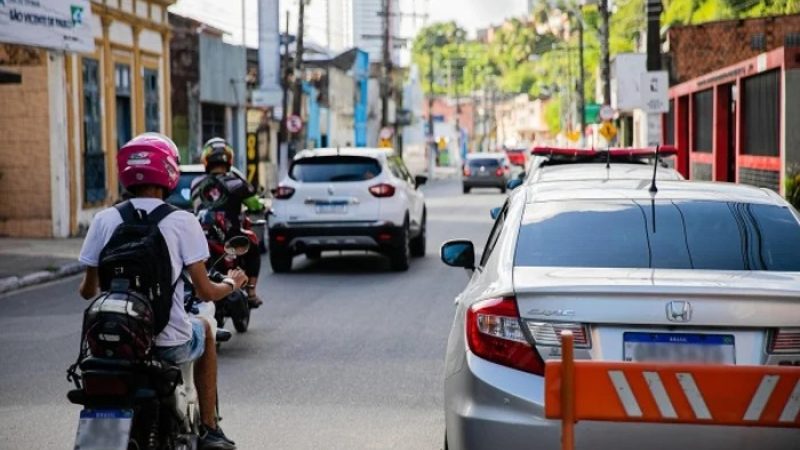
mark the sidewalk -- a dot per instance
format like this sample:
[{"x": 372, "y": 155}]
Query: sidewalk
[{"x": 25, "y": 262}]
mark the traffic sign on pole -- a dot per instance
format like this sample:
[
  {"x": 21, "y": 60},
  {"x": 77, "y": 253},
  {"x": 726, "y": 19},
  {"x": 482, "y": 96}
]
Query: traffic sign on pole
[
  {"x": 608, "y": 131},
  {"x": 294, "y": 123},
  {"x": 606, "y": 113}
]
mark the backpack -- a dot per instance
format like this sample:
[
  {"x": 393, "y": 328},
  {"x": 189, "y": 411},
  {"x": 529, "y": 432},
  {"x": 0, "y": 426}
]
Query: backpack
[{"x": 138, "y": 253}]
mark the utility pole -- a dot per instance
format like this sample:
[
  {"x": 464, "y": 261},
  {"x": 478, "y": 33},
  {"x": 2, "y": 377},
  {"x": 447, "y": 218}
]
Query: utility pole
[
  {"x": 431, "y": 136},
  {"x": 283, "y": 153},
  {"x": 654, "y": 9},
  {"x": 581, "y": 83},
  {"x": 297, "y": 103},
  {"x": 387, "y": 62},
  {"x": 605, "y": 61}
]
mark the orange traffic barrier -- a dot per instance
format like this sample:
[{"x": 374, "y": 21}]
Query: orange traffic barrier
[{"x": 767, "y": 396}]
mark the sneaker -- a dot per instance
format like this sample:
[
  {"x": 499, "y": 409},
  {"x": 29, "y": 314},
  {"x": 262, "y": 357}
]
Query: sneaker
[
  {"x": 215, "y": 439},
  {"x": 254, "y": 301}
]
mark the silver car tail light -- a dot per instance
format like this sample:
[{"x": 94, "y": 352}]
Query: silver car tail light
[
  {"x": 548, "y": 333},
  {"x": 784, "y": 340}
]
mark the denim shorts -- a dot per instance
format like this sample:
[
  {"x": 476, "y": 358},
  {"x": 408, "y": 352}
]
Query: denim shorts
[{"x": 189, "y": 351}]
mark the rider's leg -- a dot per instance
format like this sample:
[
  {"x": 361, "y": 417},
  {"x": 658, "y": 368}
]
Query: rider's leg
[
  {"x": 205, "y": 374},
  {"x": 252, "y": 263}
]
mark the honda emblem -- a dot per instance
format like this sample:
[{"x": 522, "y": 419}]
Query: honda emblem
[{"x": 679, "y": 311}]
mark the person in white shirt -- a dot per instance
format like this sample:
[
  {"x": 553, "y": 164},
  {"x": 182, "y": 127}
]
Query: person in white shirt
[{"x": 149, "y": 169}]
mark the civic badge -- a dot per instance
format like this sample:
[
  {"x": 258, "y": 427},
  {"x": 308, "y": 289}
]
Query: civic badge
[{"x": 679, "y": 311}]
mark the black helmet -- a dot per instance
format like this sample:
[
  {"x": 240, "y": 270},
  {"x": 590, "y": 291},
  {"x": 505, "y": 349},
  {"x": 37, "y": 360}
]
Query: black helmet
[
  {"x": 217, "y": 151},
  {"x": 120, "y": 325}
]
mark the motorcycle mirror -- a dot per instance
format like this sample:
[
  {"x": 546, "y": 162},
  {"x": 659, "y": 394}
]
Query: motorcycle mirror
[{"x": 237, "y": 246}]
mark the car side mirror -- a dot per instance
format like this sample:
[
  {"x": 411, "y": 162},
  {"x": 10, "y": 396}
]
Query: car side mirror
[
  {"x": 495, "y": 213},
  {"x": 419, "y": 180},
  {"x": 458, "y": 253},
  {"x": 513, "y": 184}
]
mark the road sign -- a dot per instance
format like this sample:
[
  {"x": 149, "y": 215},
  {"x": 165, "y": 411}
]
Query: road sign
[
  {"x": 294, "y": 123},
  {"x": 654, "y": 91},
  {"x": 386, "y": 133},
  {"x": 606, "y": 113},
  {"x": 608, "y": 131},
  {"x": 385, "y": 143}
]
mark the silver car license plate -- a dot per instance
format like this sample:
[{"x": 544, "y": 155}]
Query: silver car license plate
[
  {"x": 104, "y": 429},
  {"x": 679, "y": 348}
]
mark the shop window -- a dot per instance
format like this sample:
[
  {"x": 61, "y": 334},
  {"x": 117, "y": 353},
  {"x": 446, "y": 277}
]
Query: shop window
[
  {"x": 703, "y": 118},
  {"x": 122, "y": 82},
  {"x": 94, "y": 162},
  {"x": 213, "y": 120},
  {"x": 760, "y": 113},
  {"x": 152, "y": 121}
]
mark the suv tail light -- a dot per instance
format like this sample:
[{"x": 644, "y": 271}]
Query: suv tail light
[
  {"x": 382, "y": 190},
  {"x": 494, "y": 333},
  {"x": 784, "y": 340},
  {"x": 283, "y": 192}
]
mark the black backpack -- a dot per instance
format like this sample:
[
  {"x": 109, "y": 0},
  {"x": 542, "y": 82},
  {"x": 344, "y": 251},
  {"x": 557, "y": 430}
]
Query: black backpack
[{"x": 138, "y": 253}]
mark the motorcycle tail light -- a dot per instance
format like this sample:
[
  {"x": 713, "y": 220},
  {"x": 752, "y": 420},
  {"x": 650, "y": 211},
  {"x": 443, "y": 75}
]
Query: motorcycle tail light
[
  {"x": 494, "y": 333},
  {"x": 96, "y": 385},
  {"x": 549, "y": 333},
  {"x": 283, "y": 192},
  {"x": 784, "y": 340}
]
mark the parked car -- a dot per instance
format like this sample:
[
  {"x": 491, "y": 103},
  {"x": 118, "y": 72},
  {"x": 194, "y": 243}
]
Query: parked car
[
  {"x": 563, "y": 164},
  {"x": 701, "y": 273},
  {"x": 485, "y": 170},
  {"x": 347, "y": 199}
]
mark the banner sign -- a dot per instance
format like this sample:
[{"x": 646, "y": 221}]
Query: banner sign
[
  {"x": 54, "y": 24},
  {"x": 252, "y": 158}
]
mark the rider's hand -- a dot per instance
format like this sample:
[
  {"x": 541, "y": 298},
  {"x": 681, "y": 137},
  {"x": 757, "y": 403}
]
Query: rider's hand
[{"x": 238, "y": 276}]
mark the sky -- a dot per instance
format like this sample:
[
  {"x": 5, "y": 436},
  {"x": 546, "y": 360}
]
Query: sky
[{"x": 227, "y": 14}]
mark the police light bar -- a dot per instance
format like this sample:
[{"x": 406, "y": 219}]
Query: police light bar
[{"x": 630, "y": 152}]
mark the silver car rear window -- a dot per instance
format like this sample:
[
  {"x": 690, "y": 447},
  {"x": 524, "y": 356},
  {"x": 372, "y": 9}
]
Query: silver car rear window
[
  {"x": 660, "y": 234},
  {"x": 332, "y": 169}
]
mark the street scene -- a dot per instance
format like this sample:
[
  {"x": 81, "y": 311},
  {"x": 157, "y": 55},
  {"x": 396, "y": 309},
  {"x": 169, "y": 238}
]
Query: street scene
[{"x": 400, "y": 224}]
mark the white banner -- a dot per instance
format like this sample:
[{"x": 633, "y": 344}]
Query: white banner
[{"x": 55, "y": 24}]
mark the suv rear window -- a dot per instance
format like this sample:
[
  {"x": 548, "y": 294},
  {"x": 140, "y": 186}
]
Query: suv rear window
[
  {"x": 486, "y": 162},
  {"x": 331, "y": 169},
  {"x": 663, "y": 234}
]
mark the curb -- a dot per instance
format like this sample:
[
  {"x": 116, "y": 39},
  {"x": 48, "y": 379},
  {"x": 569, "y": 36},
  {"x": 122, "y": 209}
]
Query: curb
[{"x": 10, "y": 284}]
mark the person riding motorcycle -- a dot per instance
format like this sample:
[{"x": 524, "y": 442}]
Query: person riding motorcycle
[
  {"x": 225, "y": 190},
  {"x": 149, "y": 168}
]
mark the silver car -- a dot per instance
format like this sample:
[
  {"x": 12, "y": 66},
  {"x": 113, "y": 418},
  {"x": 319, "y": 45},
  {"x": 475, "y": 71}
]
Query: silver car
[{"x": 612, "y": 262}]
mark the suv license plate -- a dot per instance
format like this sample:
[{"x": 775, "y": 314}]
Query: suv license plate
[
  {"x": 331, "y": 208},
  {"x": 679, "y": 348},
  {"x": 104, "y": 429}
]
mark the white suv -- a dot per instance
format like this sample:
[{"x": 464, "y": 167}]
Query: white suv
[{"x": 347, "y": 199}]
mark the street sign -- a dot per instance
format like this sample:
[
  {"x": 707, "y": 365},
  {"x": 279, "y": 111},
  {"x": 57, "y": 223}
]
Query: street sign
[
  {"x": 654, "y": 91},
  {"x": 606, "y": 113},
  {"x": 67, "y": 25},
  {"x": 252, "y": 158},
  {"x": 385, "y": 143},
  {"x": 608, "y": 131},
  {"x": 386, "y": 133},
  {"x": 294, "y": 123}
]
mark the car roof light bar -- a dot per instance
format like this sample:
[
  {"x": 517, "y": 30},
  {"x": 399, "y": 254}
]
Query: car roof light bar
[{"x": 663, "y": 151}]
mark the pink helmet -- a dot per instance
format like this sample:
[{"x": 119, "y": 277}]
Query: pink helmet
[{"x": 149, "y": 158}]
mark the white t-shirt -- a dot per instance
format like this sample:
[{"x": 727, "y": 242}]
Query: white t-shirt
[{"x": 187, "y": 245}]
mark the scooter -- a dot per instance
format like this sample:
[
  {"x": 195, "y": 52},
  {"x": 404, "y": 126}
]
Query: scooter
[
  {"x": 235, "y": 305},
  {"x": 142, "y": 405}
]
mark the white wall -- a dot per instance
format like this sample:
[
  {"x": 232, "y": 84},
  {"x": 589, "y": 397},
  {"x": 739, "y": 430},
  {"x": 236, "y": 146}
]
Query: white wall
[{"x": 59, "y": 176}]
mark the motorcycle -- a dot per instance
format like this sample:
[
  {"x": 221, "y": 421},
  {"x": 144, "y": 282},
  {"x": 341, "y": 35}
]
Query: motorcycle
[
  {"x": 142, "y": 405},
  {"x": 215, "y": 226}
]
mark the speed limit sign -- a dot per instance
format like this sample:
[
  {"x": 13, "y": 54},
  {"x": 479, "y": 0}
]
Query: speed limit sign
[{"x": 294, "y": 123}]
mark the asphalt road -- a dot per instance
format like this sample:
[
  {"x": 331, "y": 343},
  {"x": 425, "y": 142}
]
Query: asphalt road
[{"x": 343, "y": 355}]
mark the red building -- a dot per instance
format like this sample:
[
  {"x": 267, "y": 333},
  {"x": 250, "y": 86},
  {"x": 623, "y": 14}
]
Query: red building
[{"x": 739, "y": 122}]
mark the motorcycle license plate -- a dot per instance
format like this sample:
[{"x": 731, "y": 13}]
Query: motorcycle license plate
[{"x": 104, "y": 429}]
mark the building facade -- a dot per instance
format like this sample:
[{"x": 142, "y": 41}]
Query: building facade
[{"x": 72, "y": 111}]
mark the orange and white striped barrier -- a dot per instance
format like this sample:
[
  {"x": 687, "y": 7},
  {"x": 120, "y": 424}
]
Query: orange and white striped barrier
[{"x": 766, "y": 396}]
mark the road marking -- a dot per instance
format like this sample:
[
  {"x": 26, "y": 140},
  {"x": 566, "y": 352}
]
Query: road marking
[
  {"x": 761, "y": 397},
  {"x": 660, "y": 395},
  {"x": 624, "y": 393},
  {"x": 792, "y": 407},
  {"x": 694, "y": 396}
]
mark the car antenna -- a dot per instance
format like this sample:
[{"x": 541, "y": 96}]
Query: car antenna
[
  {"x": 653, "y": 188},
  {"x": 608, "y": 158}
]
